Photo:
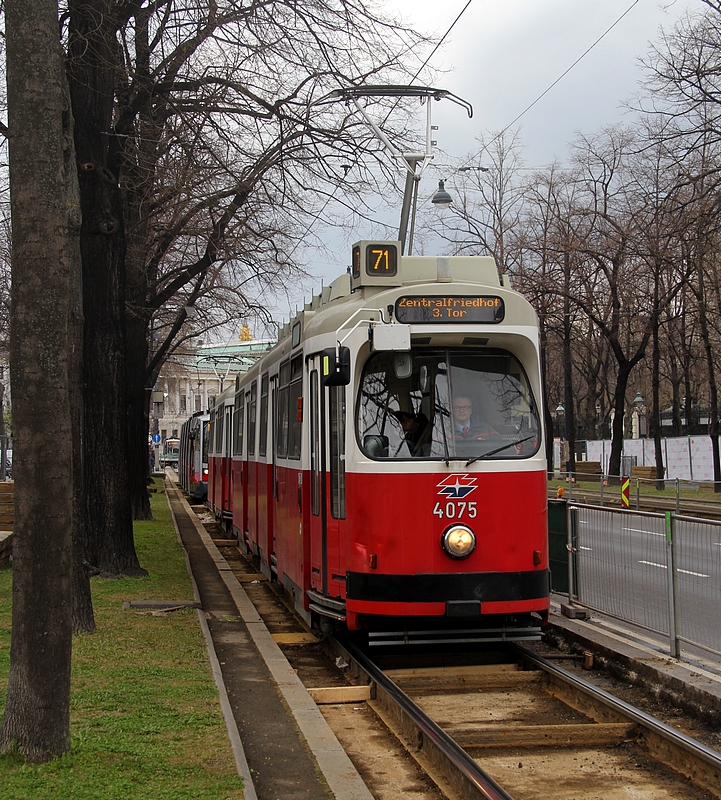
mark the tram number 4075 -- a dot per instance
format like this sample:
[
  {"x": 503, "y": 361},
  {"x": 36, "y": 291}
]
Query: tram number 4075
[{"x": 456, "y": 510}]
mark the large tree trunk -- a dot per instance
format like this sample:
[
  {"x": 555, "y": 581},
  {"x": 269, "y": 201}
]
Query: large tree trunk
[
  {"x": 547, "y": 418},
  {"x": 37, "y": 711},
  {"x": 83, "y": 618},
  {"x": 619, "y": 408},
  {"x": 568, "y": 401},
  {"x": 711, "y": 372},
  {"x": 656, "y": 398},
  {"x": 110, "y": 548},
  {"x": 138, "y": 418}
]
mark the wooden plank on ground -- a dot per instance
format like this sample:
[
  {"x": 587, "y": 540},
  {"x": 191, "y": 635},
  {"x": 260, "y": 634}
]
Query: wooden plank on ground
[
  {"x": 452, "y": 684},
  {"x": 340, "y": 694},
  {"x": 578, "y": 735},
  {"x": 433, "y": 672},
  {"x": 294, "y": 638}
]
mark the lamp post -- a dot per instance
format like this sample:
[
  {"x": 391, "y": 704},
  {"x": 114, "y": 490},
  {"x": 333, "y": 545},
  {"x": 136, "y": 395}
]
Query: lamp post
[{"x": 640, "y": 417}]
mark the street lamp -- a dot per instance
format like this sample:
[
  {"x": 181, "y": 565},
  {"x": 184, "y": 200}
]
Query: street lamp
[
  {"x": 640, "y": 416},
  {"x": 441, "y": 199}
]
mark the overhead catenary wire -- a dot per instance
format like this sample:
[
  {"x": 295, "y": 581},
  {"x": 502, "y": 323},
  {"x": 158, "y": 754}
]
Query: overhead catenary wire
[{"x": 559, "y": 78}]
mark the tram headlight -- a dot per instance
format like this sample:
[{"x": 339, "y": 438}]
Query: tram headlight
[{"x": 458, "y": 541}]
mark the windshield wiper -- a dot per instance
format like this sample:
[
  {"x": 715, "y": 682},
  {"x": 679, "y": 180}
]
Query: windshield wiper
[{"x": 498, "y": 449}]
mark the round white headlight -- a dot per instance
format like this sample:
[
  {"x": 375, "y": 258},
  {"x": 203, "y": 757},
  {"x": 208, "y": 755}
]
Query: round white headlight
[{"x": 458, "y": 541}]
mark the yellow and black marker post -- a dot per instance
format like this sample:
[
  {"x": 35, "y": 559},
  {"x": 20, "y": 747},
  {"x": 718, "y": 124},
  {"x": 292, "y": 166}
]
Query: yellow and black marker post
[{"x": 625, "y": 487}]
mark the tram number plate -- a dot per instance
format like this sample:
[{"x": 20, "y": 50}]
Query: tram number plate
[{"x": 456, "y": 509}]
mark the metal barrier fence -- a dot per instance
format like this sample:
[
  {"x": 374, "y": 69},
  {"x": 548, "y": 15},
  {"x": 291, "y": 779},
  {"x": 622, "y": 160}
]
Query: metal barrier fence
[
  {"x": 661, "y": 572},
  {"x": 608, "y": 488}
]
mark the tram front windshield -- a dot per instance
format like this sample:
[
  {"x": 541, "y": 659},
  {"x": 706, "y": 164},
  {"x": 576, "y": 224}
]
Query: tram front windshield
[{"x": 446, "y": 404}]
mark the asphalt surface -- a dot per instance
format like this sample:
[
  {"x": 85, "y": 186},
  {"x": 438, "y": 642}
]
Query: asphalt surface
[{"x": 622, "y": 562}]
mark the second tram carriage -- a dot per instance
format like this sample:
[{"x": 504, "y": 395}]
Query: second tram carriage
[
  {"x": 384, "y": 461},
  {"x": 193, "y": 460}
]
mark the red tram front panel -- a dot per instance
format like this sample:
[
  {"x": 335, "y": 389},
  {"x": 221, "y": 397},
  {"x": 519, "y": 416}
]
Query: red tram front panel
[{"x": 397, "y": 566}]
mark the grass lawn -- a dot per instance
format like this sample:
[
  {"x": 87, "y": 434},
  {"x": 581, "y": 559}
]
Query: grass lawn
[
  {"x": 646, "y": 488},
  {"x": 145, "y": 718}
]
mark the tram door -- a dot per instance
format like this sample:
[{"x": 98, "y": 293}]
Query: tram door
[
  {"x": 251, "y": 469},
  {"x": 327, "y": 489},
  {"x": 228, "y": 460}
]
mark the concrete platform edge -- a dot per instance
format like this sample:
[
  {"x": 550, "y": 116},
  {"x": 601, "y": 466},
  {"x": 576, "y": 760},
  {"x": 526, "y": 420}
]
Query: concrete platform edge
[
  {"x": 688, "y": 688},
  {"x": 236, "y": 745},
  {"x": 335, "y": 765}
]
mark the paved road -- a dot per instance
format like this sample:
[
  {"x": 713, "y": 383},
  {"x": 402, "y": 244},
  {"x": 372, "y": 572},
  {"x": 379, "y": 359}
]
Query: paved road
[{"x": 622, "y": 570}]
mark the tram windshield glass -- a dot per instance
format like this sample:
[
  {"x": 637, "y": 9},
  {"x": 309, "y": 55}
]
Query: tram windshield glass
[{"x": 446, "y": 404}]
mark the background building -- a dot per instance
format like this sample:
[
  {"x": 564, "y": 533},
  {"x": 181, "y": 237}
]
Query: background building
[{"x": 190, "y": 382}]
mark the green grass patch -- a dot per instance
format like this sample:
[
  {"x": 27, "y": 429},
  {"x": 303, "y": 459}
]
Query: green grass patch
[
  {"x": 145, "y": 717},
  {"x": 647, "y": 488}
]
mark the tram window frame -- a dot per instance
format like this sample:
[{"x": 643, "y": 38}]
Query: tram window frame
[
  {"x": 211, "y": 433},
  {"x": 263, "y": 437},
  {"x": 238, "y": 423},
  {"x": 219, "y": 429},
  {"x": 315, "y": 442},
  {"x": 252, "y": 417},
  {"x": 282, "y": 410},
  {"x": 228, "y": 442},
  {"x": 337, "y": 423},
  {"x": 387, "y": 443},
  {"x": 295, "y": 409},
  {"x": 207, "y": 437}
]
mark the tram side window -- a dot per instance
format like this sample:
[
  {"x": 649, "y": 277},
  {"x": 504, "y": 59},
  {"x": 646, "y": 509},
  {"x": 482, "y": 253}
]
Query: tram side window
[
  {"x": 454, "y": 404},
  {"x": 282, "y": 415},
  {"x": 337, "y": 451},
  {"x": 251, "y": 417},
  {"x": 207, "y": 438},
  {"x": 295, "y": 408},
  {"x": 227, "y": 450},
  {"x": 263, "y": 440},
  {"x": 211, "y": 433},
  {"x": 238, "y": 422},
  {"x": 219, "y": 422}
]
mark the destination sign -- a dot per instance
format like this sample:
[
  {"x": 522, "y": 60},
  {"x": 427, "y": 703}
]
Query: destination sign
[{"x": 450, "y": 308}]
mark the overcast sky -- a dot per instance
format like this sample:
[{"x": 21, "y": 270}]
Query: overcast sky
[{"x": 503, "y": 54}]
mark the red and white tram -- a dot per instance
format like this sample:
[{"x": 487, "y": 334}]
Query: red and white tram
[
  {"x": 384, "y": 461},
  {"x": 193, "y": 455}
]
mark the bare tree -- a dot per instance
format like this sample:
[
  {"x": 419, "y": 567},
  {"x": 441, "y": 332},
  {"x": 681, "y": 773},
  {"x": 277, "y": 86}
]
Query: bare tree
[{"x": 202, "y": 140}]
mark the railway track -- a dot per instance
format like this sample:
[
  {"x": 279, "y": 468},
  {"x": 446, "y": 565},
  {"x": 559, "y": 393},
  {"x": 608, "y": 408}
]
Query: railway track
[
  {"x": 706, "y": 509},
  {"x": 525, "y": 729},
  {"x": 482, "y": 723}
]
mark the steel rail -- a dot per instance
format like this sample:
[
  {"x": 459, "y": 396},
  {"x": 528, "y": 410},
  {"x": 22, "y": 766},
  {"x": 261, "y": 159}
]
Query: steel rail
[
  {"x": 472, "y": 774},
  {"x": 680, "y": 740}
]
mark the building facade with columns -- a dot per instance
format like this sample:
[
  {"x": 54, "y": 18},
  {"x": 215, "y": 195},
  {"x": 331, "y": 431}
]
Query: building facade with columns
[{"x": 190, "y": 382}]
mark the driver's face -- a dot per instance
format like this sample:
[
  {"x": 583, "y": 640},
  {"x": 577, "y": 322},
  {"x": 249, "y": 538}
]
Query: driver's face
[{"x": 462, "y": 409}]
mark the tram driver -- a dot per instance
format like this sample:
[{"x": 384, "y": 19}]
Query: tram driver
[
  {"x": 416, "y": 432},
  {"x": 468, "y": 429}
]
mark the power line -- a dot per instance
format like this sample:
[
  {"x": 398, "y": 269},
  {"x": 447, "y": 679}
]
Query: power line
[
  {"x": 561, "y": 76},
  {"x": 443, "y": 38}
]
